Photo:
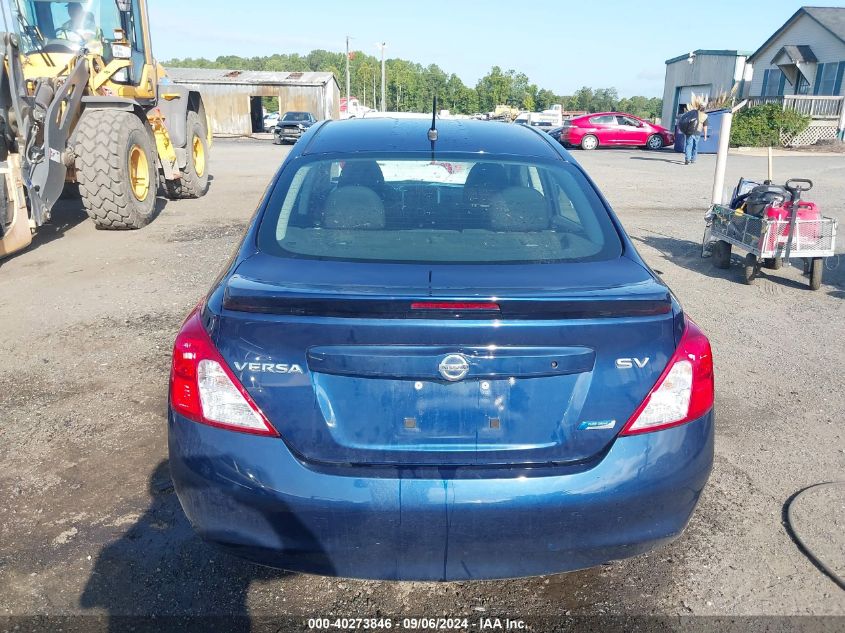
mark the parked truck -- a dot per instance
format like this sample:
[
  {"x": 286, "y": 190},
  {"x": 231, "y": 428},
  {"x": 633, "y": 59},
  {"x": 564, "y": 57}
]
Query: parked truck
[
  {"x": 553, "y": 117},
  {"x": 353, "y": 109}
]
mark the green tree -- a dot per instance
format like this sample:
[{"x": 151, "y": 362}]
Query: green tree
[
  {"x": 493, "y": 89},
  {"x": 582, "y": 100},
  {"x": 604, "y": 100},
  {"x": 546, "y": 99}
]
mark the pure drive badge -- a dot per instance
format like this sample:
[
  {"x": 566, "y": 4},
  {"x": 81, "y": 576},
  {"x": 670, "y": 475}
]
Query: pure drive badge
[{"x": 596, "y": 425}]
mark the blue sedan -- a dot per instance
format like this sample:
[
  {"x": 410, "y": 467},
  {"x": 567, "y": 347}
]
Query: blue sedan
[{"x": 438, "y": 360}]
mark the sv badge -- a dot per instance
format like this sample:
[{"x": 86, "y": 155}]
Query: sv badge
[{"x": 630, "y": 363}]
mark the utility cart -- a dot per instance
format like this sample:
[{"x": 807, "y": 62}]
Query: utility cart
[{"x": 782, "y": 230}]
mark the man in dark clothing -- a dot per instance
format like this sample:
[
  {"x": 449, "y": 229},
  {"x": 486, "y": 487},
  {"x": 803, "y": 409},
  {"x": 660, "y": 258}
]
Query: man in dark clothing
[{"x": 692, "y": 139}]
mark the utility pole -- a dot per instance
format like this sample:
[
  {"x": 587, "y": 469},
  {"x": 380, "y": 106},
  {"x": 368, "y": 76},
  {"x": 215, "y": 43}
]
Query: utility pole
[
  {"x": 347, "y": 75},
  {"x": 382, "y": 46}
]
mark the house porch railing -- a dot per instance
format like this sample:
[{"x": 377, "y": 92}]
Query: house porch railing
[{"x": 817, "y": 108}]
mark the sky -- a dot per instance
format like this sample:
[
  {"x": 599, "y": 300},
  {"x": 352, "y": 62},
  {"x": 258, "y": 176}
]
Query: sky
[{"x": 559, "y": 45}]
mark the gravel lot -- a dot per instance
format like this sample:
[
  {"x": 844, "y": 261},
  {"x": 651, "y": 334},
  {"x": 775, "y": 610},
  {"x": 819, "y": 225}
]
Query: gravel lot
[{"x": 89, "y": 522}]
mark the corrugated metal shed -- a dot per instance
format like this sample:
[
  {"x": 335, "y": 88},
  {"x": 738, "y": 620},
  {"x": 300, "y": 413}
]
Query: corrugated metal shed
[
  {"x": 705, "y": 73},
  {"x": 233, "y": 97}
]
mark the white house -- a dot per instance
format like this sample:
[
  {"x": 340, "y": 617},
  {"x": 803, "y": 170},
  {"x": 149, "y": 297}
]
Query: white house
[
  {"x": 801, "y": 66},
  {"x": 806, "y": 56}
]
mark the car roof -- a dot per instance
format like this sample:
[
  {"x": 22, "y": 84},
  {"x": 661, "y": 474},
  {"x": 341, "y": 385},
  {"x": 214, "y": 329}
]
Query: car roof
[
  {"x": 411, "y": 135},
  {"x": 592, "y": 114}
]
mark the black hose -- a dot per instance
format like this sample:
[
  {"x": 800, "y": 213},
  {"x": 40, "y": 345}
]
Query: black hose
[{"x": 799, "y": 538}]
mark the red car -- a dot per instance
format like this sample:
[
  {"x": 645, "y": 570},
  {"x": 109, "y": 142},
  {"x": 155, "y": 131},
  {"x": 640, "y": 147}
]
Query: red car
[{"x": 609, "y": 129}]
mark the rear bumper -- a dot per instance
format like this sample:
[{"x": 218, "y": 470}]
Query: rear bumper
[{"x": 251, "y": 496}]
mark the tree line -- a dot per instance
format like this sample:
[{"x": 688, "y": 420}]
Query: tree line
[{"x": 412, "y": 86}]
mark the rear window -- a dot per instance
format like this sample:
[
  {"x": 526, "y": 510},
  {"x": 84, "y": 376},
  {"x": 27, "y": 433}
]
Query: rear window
[{"x": 412, "y": 210}]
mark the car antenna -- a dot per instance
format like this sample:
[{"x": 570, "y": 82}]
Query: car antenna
[{"x": 432, "y": 133}]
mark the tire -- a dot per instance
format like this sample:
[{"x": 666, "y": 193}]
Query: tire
[
  {"x": 773, "y": 263},
  {"x": 750, "y": 269},
  {"x": 722, "y": 254},
  {"x": 654, "y": 142},
  {"x": 816, "y": 268},
  {"x": 116, "y": 169},
  {"x": 194, "y": 181},
  {"x": 589, "y": 142}
]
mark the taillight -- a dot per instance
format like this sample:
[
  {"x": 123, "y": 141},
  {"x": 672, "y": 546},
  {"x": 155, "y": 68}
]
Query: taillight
[
  {"x": 684, "y": 391},
  {"x": 204, "y": 389}
]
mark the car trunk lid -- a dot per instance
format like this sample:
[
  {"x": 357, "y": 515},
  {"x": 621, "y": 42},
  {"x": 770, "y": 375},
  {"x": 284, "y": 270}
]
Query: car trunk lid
[{"x": 351, "y": 372}]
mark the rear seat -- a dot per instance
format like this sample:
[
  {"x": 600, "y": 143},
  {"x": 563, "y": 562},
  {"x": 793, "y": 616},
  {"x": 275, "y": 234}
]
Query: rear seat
[
  {"x": 354, "y": 207},
  {"x": 519, "y": 209}
]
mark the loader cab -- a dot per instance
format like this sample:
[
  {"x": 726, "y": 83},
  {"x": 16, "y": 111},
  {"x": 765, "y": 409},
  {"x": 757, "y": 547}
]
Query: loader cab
[{"x": 53, "y": 32}]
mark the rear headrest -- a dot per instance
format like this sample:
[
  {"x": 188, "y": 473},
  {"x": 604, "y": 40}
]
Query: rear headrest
[
  {"x": 353, "y": 207},
  {"x": 519, "y": 209},
  {"x": 483, "y": 180},
  {"x": 361, "y": 173}
]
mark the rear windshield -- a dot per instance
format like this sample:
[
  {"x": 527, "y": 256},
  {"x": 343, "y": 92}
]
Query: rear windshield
[{"x": 412, "y": 210}]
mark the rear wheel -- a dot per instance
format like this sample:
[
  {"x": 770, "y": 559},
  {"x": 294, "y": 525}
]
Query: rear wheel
[
  {"x": 654, "y": 142},
  {"x": 773, "y": 263},
  {"x": 589, "y": 142},
  {"x": 750, "y": 268},
  {"x": 194, "y": 181},
  {"x": 721, "y": 254},
  {"x": 816, "y": 267},
  {"x": 116, "y": 169}
]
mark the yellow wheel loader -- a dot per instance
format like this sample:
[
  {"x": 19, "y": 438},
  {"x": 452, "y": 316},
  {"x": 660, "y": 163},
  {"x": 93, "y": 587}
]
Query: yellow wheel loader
[{"x": 83, "y": 101}]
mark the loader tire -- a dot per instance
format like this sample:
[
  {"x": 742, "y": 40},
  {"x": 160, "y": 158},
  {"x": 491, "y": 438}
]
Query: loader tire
[
  {"x": 116, "y": 169},
  {"x": 194, "y": 181}
]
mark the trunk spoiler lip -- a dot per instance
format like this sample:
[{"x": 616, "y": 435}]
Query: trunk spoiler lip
[
  {"x": 420, "y": 362},
  {"x": 645, "y": 299}
]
